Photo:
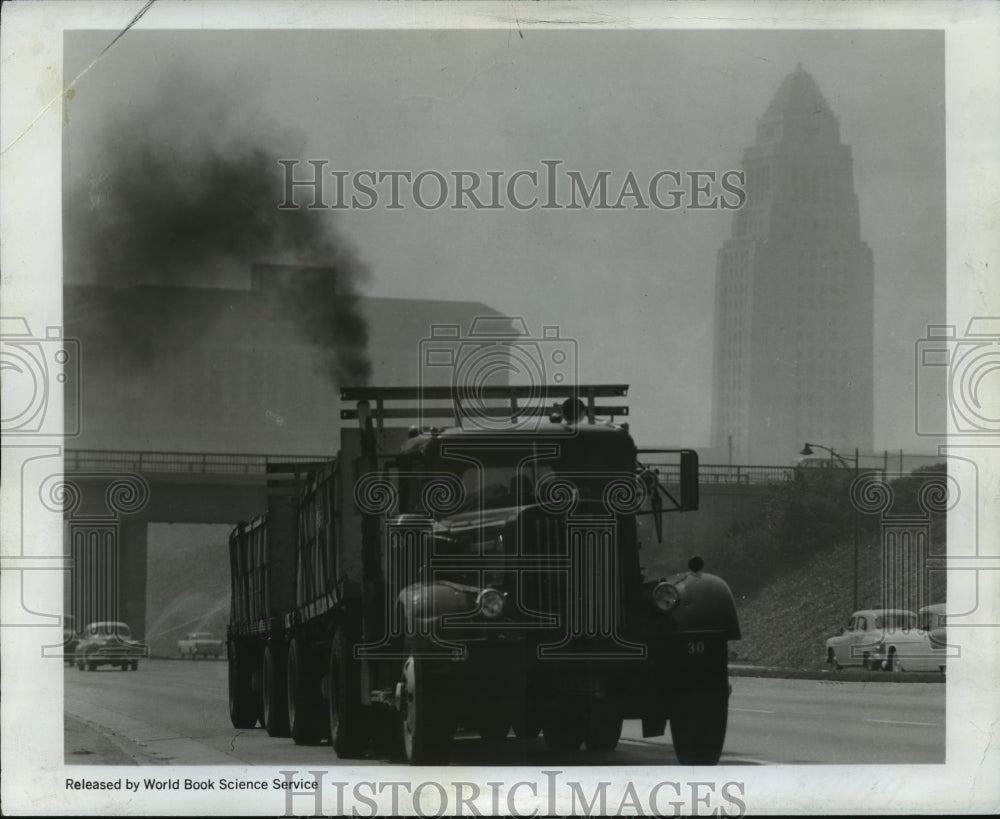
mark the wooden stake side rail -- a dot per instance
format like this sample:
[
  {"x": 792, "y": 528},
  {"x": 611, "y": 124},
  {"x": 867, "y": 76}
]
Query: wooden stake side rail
[{"x": 426, "y": 402}]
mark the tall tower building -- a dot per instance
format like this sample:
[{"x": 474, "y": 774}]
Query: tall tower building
[{"x": 794, "y": 319}]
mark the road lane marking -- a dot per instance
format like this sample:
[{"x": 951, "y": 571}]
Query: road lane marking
[
  {"x": 752, "y": 710},
  {"x": 904, "y": 722}
]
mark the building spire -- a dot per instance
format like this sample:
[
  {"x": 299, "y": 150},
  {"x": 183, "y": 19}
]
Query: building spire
[{"x": 798, "y": 94}]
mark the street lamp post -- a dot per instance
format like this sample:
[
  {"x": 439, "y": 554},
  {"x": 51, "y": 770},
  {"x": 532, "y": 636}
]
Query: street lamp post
[{"x": 808, "y": 450}]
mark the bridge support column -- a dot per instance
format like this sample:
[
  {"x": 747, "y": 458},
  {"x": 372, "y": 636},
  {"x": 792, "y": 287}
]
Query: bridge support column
[{"x": 132, "y": 536}]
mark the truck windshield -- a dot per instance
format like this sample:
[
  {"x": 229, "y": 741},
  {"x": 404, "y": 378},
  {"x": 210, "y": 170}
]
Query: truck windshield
[{"x": 497, "y": 487}]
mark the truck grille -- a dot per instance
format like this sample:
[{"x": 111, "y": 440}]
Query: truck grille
[
  {"x": 578, "y": 582},
  {"x": 543, "y": 581}
]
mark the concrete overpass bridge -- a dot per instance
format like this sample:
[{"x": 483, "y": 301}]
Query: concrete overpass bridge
[{"x": 113, "y": 497}]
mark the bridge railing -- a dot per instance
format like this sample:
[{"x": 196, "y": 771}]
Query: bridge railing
[
  {"x": 221, "y": 463},
  {"x": 198, "y": 463},
  {"x": 710, "y": 474}
]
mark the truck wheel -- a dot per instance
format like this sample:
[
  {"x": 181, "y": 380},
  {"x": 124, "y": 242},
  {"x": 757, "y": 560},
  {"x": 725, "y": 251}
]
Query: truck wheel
[
  {"x": 305, "y": 705},
  {"x": 428, "y": 724},
  {"x": 348, "y": 717},
  {"x": 274, "y": 696},
  {"x": 243, "y": 701},
  {"x": 698, "y": 716},
  {"x": 604, "y": 726}
]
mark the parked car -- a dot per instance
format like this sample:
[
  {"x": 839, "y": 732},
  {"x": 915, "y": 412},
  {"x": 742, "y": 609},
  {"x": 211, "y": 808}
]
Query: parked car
[
  {"x": 70, "y": 639},
  {"x": 856, "y": 644},
  {"x": 921, "y": 649},
  {"x": 200, "y": 644},
  {"x": 108, "y": 642}
]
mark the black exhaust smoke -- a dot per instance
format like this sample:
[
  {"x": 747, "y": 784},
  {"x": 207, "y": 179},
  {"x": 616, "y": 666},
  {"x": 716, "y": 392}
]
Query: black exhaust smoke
[{"x": 165, "y": 212}]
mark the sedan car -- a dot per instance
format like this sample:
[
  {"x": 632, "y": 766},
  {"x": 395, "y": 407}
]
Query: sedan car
[
  {"x": 109, "y": 642},
  {"x": 856, "y": 644},
  {"x": 921, "y": 649},
  {"x": 200, "y": 644}
]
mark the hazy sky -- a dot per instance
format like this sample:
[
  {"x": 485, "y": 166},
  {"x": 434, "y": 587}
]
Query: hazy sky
[{"x": 635, "y": 288}]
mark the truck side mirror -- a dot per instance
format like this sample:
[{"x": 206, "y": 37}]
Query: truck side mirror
[{"x": 689, "y": 480}]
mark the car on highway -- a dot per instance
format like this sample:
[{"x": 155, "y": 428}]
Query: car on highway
[
  {"x": 70, "y": 639},
  {"x": 200, "y": 644},
  {"x": 921, "y": 649},
  {"x": 855, "y": 644},
  {"x": 109, "y": 642}
]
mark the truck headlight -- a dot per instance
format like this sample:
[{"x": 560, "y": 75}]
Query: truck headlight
[
  {"x": 490, "y": 603},
  {"x": 666, "y": 597}
]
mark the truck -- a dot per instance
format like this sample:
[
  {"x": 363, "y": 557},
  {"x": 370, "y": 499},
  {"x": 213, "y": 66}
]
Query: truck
[{"x": 485, "y": 578}]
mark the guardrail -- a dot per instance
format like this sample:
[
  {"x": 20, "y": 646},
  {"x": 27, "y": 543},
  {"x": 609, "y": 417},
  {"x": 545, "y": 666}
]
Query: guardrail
[{"x": 221, "y": 463}]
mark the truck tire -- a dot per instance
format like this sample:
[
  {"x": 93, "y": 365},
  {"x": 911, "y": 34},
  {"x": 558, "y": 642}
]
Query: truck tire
[
  {"x": 274, "y": 694},
  {"x": 243, "y": 700},
  {"x": 305, "y": 703},
  {"x": 698, "y": 716},
  {"x": 349, "y": 724},
  {"x": 428, "y": 724}
]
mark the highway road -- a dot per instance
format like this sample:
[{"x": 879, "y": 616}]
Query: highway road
[{"x": 175, "y": 712}]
